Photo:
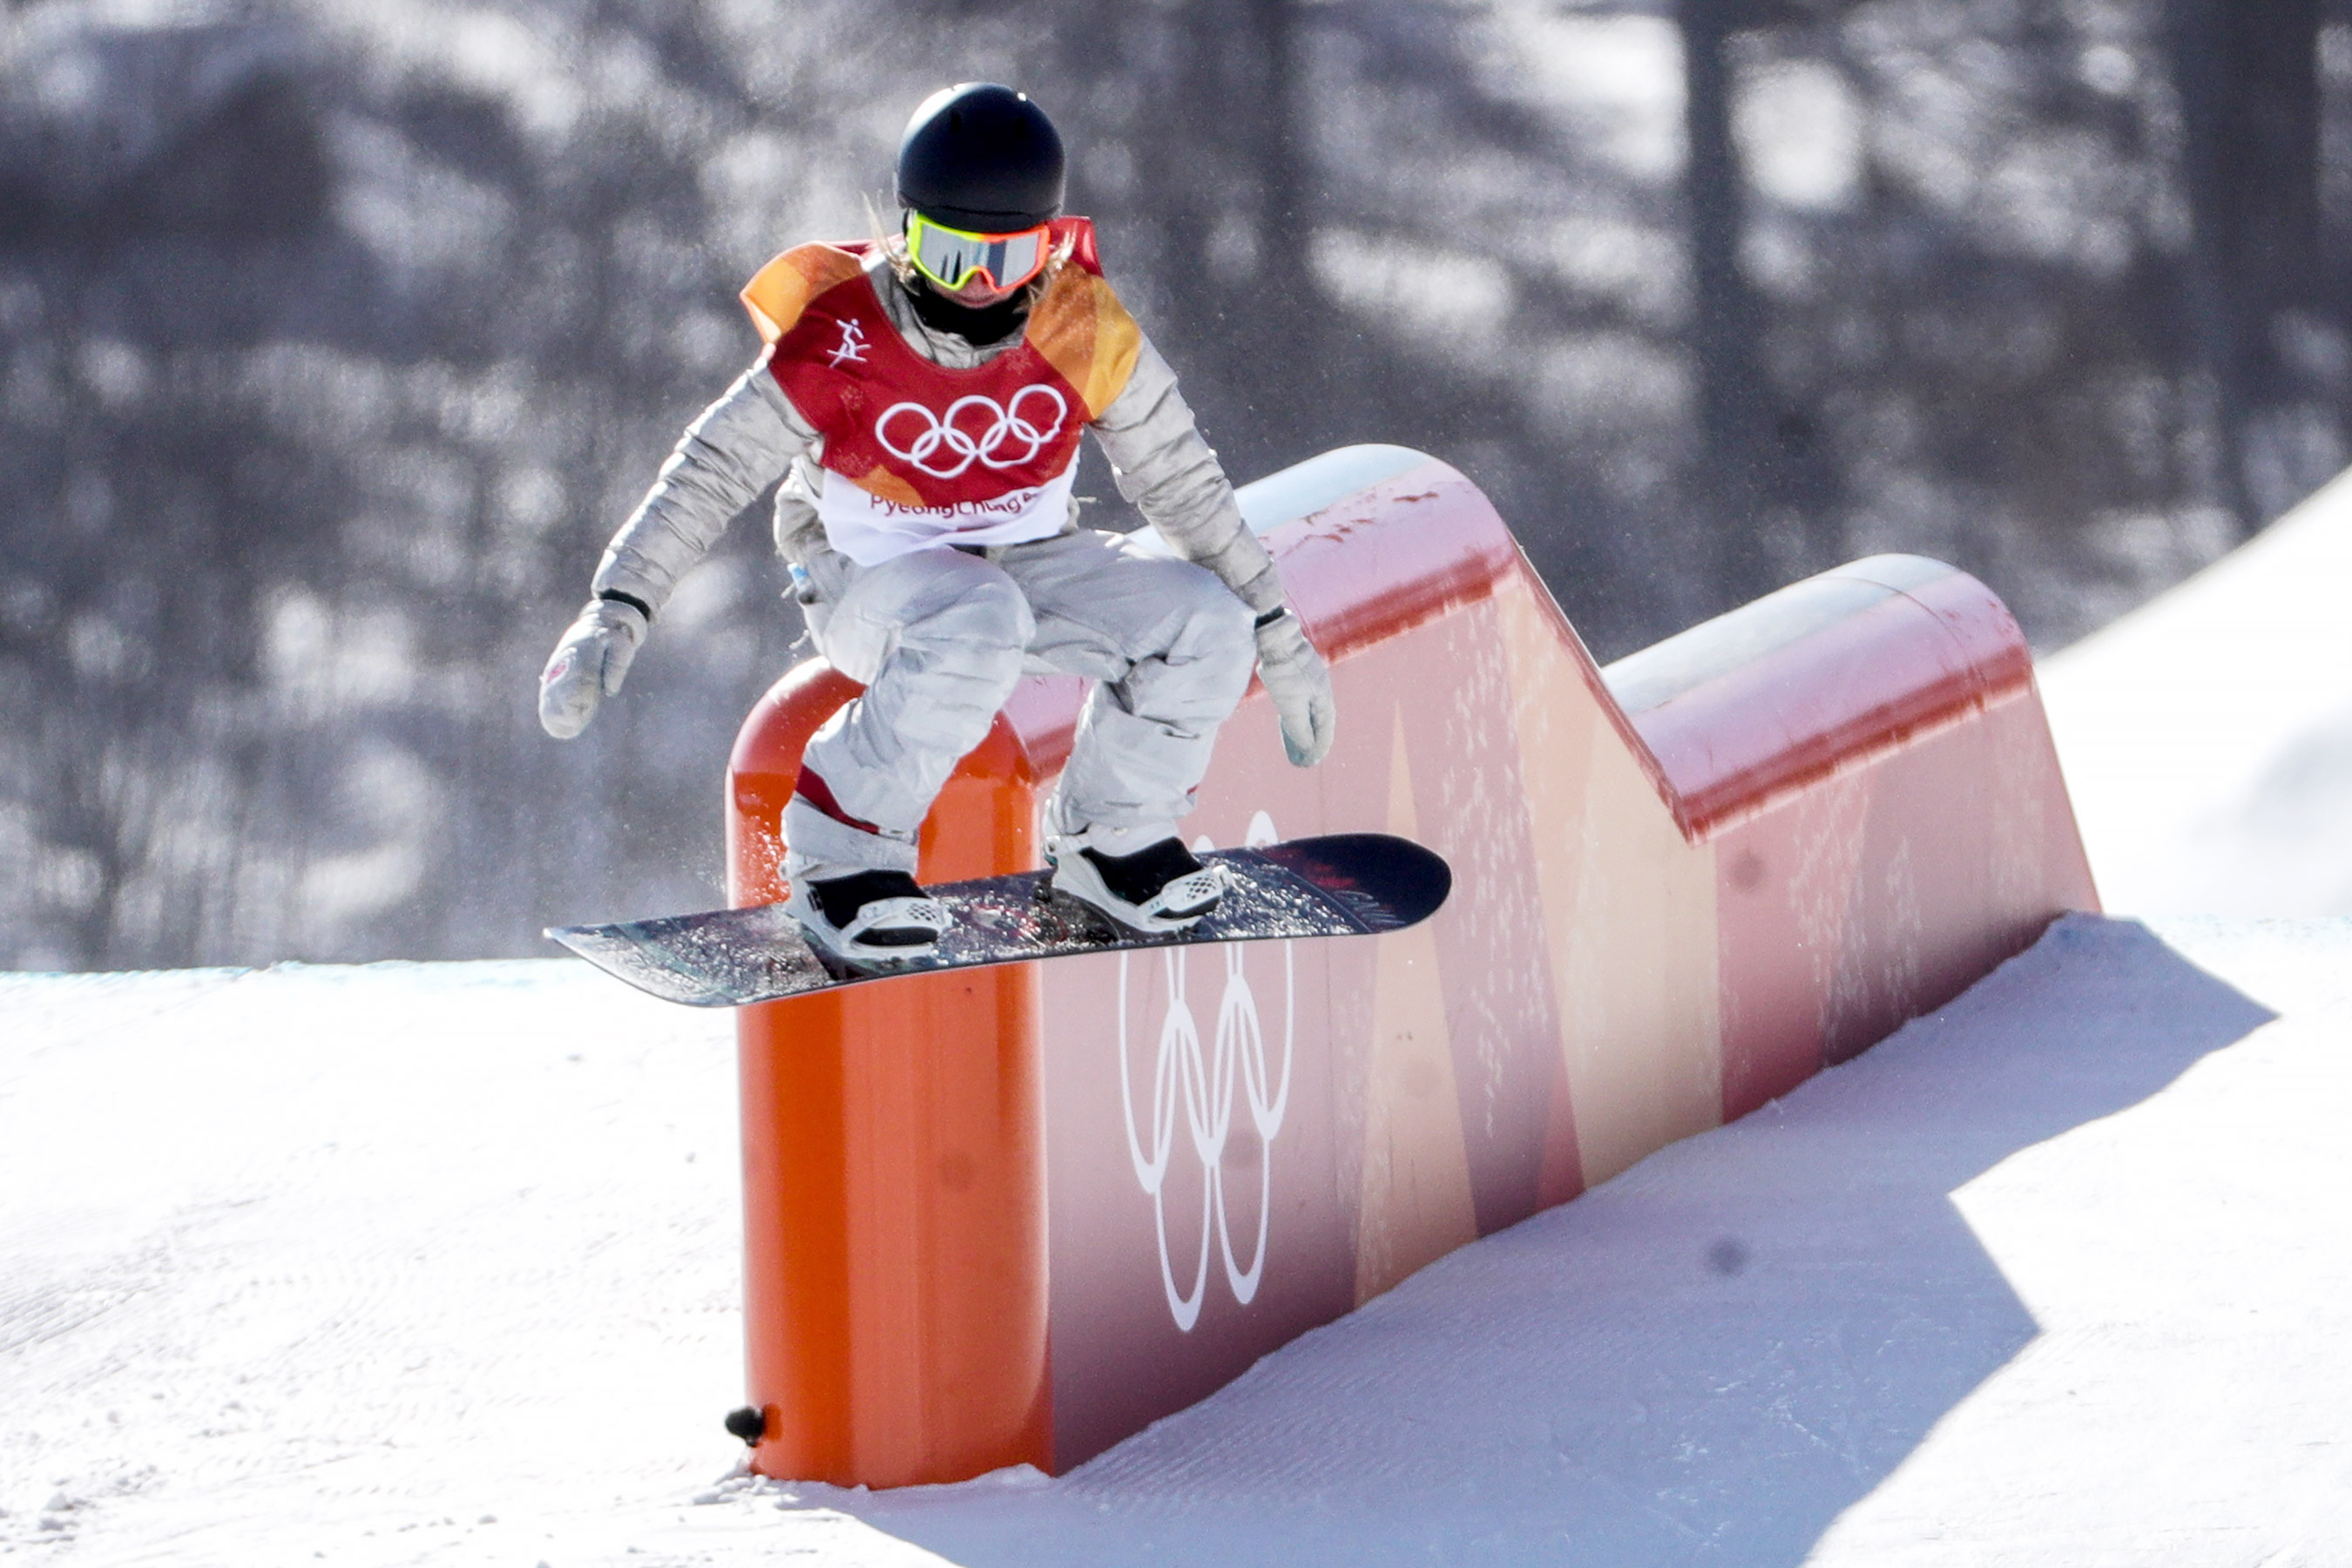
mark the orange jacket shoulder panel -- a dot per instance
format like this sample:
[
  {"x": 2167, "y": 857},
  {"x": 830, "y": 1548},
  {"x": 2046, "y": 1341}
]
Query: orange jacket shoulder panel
[
  {"x": 782, "y": 289},
  {"x": 1087, "y": 334}
]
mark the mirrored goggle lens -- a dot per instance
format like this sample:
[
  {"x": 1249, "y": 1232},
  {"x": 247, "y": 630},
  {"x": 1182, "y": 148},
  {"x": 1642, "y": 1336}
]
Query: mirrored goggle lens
[{"x": 952, "y": 257}]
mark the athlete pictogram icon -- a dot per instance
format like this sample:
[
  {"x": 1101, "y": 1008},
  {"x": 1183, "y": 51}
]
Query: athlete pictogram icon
[
  {"x": 975, "y": 430},
  {"x": 852, "y": 347}
]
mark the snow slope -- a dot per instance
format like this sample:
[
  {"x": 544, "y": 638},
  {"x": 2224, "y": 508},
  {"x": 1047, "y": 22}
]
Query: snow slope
[
  {"x": 436, "y": 1264},
  {"x": 2207, "y": 736}
]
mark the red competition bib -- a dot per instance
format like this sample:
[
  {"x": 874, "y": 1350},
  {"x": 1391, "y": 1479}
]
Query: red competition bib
[{"x": 917, "y": 454}]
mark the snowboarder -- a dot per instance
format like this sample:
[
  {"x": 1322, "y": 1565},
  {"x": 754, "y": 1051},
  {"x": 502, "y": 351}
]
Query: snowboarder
[{"x": 921, "y": 398}]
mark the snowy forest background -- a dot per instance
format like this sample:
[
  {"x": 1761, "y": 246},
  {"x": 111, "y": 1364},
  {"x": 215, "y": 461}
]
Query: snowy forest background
[{"x": 337, "y": 335}]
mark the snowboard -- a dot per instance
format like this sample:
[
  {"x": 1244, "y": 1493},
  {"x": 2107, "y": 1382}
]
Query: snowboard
[{"x": 1344, "y": 884}]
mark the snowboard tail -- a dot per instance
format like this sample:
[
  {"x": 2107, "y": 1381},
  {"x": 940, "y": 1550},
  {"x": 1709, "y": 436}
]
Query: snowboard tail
[{"x": 1344, "y": 884}]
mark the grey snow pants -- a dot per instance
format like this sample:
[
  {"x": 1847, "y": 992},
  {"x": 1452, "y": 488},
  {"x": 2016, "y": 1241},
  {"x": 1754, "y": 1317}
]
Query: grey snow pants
[{"x": 940, "y": 637}]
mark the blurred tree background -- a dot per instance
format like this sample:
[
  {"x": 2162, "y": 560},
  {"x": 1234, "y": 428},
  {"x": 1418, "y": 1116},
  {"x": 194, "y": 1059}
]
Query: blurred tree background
[{"x": 339, "y": 334}]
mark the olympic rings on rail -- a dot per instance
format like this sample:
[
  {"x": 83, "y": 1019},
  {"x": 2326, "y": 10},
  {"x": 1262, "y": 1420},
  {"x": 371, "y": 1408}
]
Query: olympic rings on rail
[{"x": 1203, "y": 1082}]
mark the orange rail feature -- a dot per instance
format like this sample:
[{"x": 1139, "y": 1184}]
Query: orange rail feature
[{"x": 1013, "y": 1216}]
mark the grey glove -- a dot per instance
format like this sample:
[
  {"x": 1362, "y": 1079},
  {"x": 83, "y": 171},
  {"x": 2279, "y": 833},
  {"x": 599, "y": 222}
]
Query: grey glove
[
  {"x": 590, "y": 663},
  {"x": 1300, "y": 685}
]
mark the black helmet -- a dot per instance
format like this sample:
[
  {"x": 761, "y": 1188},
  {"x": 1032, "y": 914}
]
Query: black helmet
[{"x": 982, "y": 157}]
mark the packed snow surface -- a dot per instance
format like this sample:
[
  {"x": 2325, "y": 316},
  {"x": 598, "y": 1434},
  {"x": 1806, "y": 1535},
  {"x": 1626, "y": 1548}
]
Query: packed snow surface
[
  {"x": 438, "y": 1264},
  {"x": 2207, "y": 736}
]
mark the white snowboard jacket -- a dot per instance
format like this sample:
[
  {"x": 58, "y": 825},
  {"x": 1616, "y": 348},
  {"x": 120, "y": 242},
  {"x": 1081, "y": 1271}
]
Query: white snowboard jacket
[{"x": 752, "y": 435}]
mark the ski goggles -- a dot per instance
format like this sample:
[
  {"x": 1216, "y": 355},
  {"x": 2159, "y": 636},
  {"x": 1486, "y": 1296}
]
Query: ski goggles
[{"x": 951, "y": 258}]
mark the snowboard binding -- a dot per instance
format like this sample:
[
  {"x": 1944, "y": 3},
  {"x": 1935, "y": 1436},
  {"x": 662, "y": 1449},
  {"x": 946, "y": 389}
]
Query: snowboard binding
[
  {"x": 872, "y": 916},
  {"x": 1158, "y": 888}
]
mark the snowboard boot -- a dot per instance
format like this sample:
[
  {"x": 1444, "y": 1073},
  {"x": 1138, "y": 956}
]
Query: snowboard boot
[
  {"x": 870, "y": 917},
  {"x": 1157, "y": 886}
]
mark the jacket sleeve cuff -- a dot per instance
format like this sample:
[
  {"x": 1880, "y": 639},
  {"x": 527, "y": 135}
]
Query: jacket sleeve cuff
[
  {"x": 1263, "y": 592},
  {"x": 1243, "y": 565}
]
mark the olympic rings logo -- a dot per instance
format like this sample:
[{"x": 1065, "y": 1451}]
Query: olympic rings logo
[
  {"x": 1000, "y": 437},
  {"x": 1204, "y": 1084}
]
